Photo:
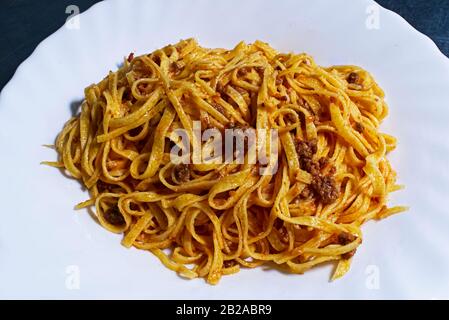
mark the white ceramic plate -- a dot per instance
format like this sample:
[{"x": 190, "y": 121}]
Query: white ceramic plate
[{"x": 48, "y": 250}]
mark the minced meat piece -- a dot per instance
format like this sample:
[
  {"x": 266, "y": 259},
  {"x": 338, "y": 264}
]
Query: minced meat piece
[
  {"x": 352, "y": 77},
  {"x": 325, "y": 188},
  {"x": 182, "y": 172},
  {"x": 305, "y": 151},
  {"x": 359, "y": 127},
  {"x": 114, "y": 216},
  {"x": 345, "y": 237}
]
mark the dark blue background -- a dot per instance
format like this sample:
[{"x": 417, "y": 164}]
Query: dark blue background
[{"x": 25, "y": 23}]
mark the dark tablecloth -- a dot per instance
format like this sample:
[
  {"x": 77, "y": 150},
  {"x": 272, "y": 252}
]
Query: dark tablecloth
[{"x": 25, "y": 23}]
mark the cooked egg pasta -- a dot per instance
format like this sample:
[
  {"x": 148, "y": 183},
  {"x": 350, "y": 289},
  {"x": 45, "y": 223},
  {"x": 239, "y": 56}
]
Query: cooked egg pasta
[{"x": 208, "y": 220}]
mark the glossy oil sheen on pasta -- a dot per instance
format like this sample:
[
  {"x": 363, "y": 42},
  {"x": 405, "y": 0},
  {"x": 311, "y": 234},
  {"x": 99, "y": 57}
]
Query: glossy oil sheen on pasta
[{"x": 209, "y": 220}]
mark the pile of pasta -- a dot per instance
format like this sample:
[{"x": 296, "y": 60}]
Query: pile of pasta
[{"x": 211, "y": 219}]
